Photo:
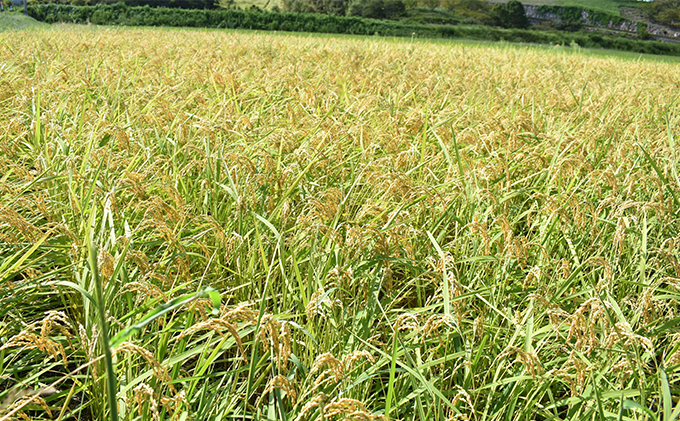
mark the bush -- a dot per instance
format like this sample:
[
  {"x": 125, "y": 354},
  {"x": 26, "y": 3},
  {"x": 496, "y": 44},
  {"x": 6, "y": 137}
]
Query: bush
[
  {"x": 378, "y": 9},
  {"x": 517, "y": 15},
  {"x": 510, "y": 15},
  {"x": 476, "y": 11},
  {"x": 642, "y": 32},
  {"x": 568, "y": 25},
  {"x": 327, "y": 7},
  {"x": 394, "y": 9},
  {"x": 373, "y": 9},
  {"x": 297, "y": 6}
]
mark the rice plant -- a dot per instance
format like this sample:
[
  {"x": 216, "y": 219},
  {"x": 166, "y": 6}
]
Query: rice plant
[{"x": 209, "y": 225}]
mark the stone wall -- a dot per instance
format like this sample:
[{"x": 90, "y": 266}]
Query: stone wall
[
  {"x": 534, "y": 13},
  {"x": 625, "y": 25}
]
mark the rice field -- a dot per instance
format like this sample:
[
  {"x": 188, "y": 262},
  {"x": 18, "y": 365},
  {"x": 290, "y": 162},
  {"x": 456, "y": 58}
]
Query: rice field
[{"x": 211, "y": 225}]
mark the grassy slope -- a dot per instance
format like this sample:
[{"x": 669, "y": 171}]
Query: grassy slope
[{"x": 16, "y": 20}]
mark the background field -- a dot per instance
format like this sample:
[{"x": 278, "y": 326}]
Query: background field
[
  {"x": 402, "y": 230},
  {"x": 16, "y": 20}
]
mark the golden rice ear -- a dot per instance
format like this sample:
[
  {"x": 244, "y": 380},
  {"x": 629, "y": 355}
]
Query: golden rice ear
[
  {"x": 619, "y": 237},
  {"x": 406, "y": 322},
  {"x": 217, "y": 325},
  {"x": 144, "y": 289},
  {"x": 17, "y": 399},
  {"x": 174, "y": 404},
  {"x": 435, "y": 324},
  {"x": 34, "y": 399},
  {"x": 105, "y": 263},
  {"x": 144, "y": 394},
  {"x": 11, "y": 218},
  {"x": 317, "y": 402},
  {"x": 480, "y": 228},
  {"x": 269, "y": 332},
  {"x": 335, "y": 368},
  {"x": 344, "y": 405},
  {"x": 348, "y": 361},
  {"x": 534, "y": 276},
  {"x": 590, "y": 314},
  {"x": 279, "y": 382},
  {"x": 241, "y": 313},
  {"x": 478, "y": 327},
  {"x": 89, "y": 345},
  {"x": 160, "y": 371},
  {"x": 623, "y": 331},
  {"x": 284, "y": 350},
  {"x": 30, "y": 339},
  {"x": 506, "y": 229},
  {"x": 463, "y": 396},
  {"x": 529, "y": 359}
]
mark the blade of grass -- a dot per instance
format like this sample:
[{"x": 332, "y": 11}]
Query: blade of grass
[
  {"x": 666, "y": 184},
  {"x": 390, "y": 384},
  {"x": 445, "y": 286},
  {"x": 111, "y": 378}
]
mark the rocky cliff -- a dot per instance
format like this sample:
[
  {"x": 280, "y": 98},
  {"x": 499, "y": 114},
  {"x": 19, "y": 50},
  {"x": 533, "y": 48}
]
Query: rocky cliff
[{"x": 596, "y": 19}]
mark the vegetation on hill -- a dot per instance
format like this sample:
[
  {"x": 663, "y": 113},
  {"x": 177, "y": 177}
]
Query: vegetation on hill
[
  {"x": 16, "y": 20},
  {"x": 424, "y": 16},
  {"x": 664, "y": 11},
  {"x": 509, "y": 15},
  {"x": 475, "y": 10},
  {"x": 408, "y": 12},
  {"x": 209, "y": 225},
  {"x": 608, "y": 6},
  {"x": 181, "y": 4},
  {"x": 120, "y": 14}
]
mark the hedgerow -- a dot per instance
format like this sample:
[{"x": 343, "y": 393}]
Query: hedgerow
[{"x": 121, "y": 14}]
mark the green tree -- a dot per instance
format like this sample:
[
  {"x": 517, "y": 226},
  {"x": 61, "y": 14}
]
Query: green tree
[
  {"x": 297, "y": 6},
  {"x": 335, "y": 7},
  {"x": 394, "y": 9},
  {"x": 378, "y": 9},
  {"x": 475, "y": 9},
  {"x": 432, "y": 4},
  {"x": 510, "y": 15},
  {"x": 374, "y": 9},
  {"x": 500, "y": 15},
  {"x": 642, "y": 32},
  {"x": 664, "y": 11},
  {"x": 517, "y": 14}
]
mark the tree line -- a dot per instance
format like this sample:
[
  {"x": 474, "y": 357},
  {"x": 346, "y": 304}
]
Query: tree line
[
  {"x": 510, "y": 15},
  {"x": 121, "y": 14}
]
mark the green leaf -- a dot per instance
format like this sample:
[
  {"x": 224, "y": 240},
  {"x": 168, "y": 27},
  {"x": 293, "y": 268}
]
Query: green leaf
[
  {"x": 166, "y": 308},
  {"x": 661, "y": 176},
  {"x": 628, "y": 404},
  {"x": 667, "y": 400},
  {"x": 445, "y": 286}
]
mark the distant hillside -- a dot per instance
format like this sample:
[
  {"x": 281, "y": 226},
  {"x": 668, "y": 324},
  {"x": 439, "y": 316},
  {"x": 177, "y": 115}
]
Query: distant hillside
[
  {"x": 609, "y": 6},
  {"x": 16, "y": 20}
]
